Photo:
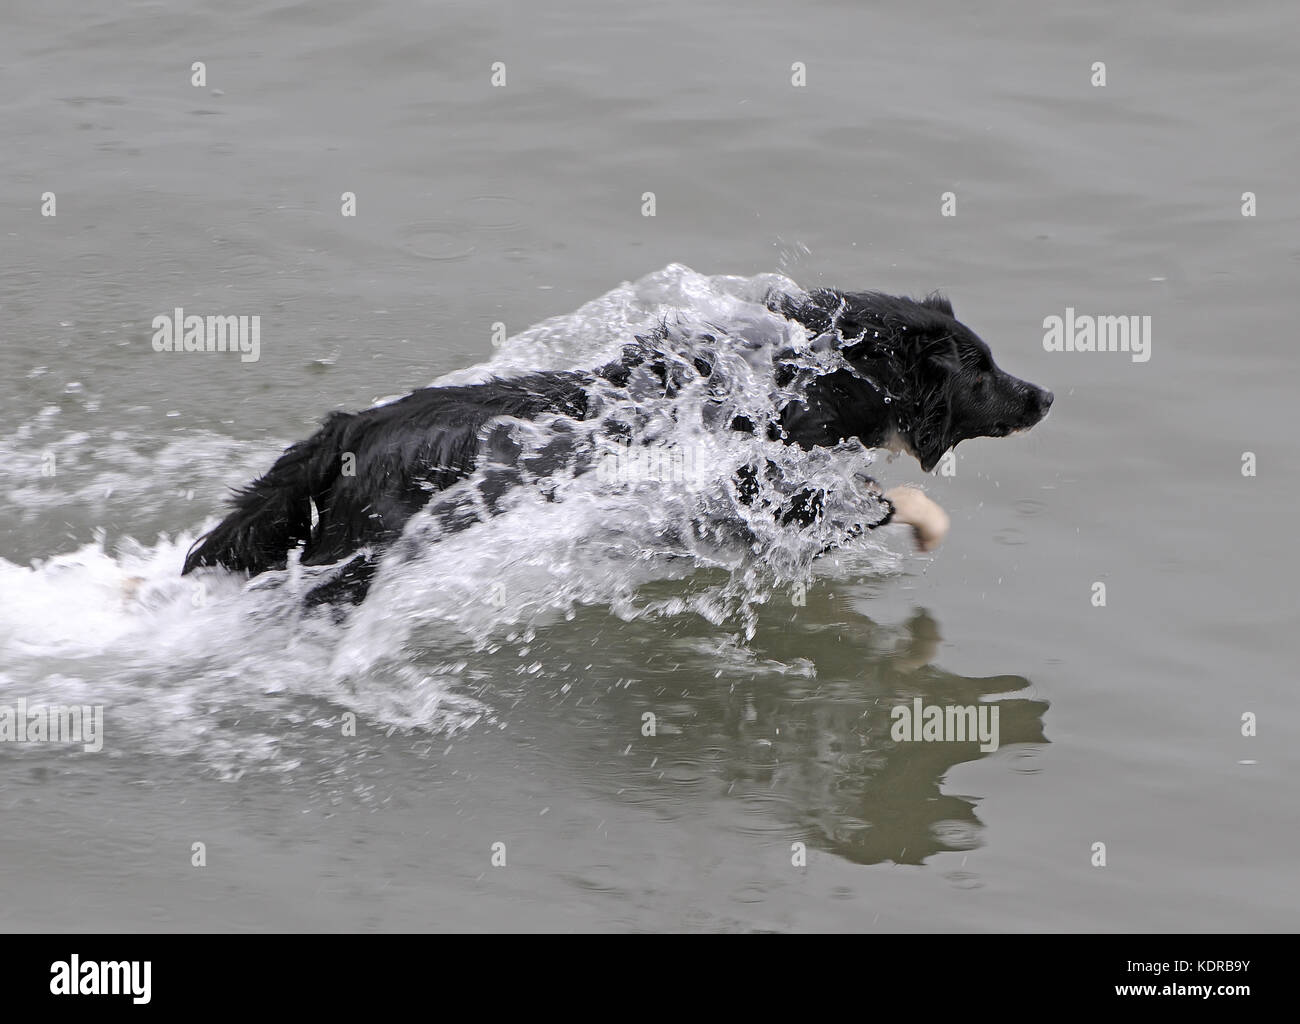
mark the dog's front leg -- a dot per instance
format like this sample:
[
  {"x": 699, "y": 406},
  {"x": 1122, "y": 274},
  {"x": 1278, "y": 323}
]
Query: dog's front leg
[{"x": 928, "y": 521}]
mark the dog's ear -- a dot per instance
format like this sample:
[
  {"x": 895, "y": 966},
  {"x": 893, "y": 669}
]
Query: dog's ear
[
  {"x": 939, "y": 303},
  {"x": 931, "y": 432},
  {"x": 941, "y": 354}
]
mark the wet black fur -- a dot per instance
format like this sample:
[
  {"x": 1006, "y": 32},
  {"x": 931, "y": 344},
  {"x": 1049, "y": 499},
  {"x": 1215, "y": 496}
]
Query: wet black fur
[{"x": 917, "y": 378}]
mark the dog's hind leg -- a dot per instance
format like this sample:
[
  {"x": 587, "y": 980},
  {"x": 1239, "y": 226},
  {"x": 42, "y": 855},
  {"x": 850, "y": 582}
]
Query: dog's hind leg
[
  {"x": 349, "y": 586},
  {"x": 270, "y": 516}
]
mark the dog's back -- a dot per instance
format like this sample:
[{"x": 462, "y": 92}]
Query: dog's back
[{"x": 367, "y": 473}]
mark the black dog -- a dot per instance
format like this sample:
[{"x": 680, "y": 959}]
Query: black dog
[{"x": 912, "y": 378}]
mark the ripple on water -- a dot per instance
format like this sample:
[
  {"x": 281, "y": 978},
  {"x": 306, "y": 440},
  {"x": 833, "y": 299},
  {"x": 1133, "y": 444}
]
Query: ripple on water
[
  {"x": 241, "y": 262},
  {"x": 750, "y": 893},
  {"x": 494, "y": 213},
  {"x": 686, "y": 773},
  {"x": 956, "y": 835},
  {"x": 440, "y": 241},
  {"x": 1024, "y": 760}
]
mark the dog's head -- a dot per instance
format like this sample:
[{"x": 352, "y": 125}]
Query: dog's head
[{"x": 938, "y": 375}]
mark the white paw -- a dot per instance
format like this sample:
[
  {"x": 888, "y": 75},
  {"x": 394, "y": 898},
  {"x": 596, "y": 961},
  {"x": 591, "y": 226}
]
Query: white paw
[{"x": 928, "y": 521}]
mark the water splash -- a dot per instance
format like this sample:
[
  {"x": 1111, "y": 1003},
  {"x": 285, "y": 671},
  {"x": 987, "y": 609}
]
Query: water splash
[{"x": 644, "y": 492}]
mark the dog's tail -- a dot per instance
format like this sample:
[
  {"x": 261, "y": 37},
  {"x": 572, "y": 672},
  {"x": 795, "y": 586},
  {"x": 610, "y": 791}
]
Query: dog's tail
[{"x": 272, "y": 514}]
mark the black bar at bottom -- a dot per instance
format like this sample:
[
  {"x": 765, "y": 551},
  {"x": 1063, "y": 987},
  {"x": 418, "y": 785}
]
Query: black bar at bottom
[{"x": 644, "y": 974}]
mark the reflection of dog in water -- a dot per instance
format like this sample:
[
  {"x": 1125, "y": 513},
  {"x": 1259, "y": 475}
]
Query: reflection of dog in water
[
  {"x": 892, "y": 788},
  {"x": 913, "y": 378},
  {"x": 814, "y": 754}
]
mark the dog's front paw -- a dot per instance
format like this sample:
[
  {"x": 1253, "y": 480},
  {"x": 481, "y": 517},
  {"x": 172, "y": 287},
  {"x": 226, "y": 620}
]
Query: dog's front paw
[{"x": 928, "y": 521}]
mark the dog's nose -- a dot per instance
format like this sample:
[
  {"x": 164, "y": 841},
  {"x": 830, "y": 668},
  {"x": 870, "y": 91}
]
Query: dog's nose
[{"x": 1045, "y": 399}]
